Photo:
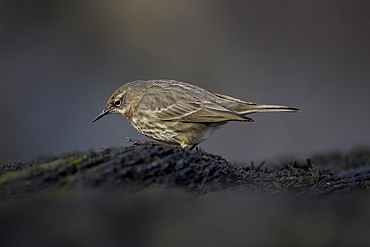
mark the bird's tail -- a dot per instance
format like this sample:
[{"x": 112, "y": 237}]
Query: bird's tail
[
  {"x": 243, "y": 107},
  {"x": 267, "y": 108}
]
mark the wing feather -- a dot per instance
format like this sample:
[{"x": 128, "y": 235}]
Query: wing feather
[
  {"x": 175, "y": 103},
  {"x": 198, "y": 112}
]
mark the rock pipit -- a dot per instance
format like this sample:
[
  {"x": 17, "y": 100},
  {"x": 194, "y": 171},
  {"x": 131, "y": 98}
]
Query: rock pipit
[{"x": 179, "y": 113}]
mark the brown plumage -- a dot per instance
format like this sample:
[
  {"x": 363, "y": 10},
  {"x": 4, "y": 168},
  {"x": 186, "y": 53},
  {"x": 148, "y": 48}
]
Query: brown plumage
[{"x": 179, "y": 113}]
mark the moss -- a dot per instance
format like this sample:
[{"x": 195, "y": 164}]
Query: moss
[
  {"x": 137, "y": 168},
  {"x": 8, "y": 176}
]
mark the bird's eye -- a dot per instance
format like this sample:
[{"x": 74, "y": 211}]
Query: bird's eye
[{"x": 117, "y": 102}]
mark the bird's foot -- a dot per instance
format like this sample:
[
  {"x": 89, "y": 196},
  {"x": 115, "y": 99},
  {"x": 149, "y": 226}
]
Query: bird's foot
[
  {"x": 194, "y": 146},
  {"x": 145, "y": 143}
]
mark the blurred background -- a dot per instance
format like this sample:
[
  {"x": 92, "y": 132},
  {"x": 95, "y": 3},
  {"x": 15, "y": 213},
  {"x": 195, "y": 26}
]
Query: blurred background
[{"x": 61, "y": 60}]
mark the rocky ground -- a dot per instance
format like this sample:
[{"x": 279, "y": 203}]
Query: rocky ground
[{"x": 168, "y": 196}]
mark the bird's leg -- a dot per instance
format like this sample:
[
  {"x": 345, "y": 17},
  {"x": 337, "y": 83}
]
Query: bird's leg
[
  {"x": 144, "y": 143},
  {"x": 193, "y": 146}
]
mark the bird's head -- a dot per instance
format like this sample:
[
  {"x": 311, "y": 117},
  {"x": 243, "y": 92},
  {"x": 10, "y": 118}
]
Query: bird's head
[
  {"x": 117, "y": 103},
  {"x": 124, "y": 99}
]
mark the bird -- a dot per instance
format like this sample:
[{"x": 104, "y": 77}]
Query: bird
[{"x": 178, "y": 113}]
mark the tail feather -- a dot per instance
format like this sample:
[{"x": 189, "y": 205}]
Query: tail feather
[
  {"x": 244, "y": 107},
  {"x": 267, "y": 108}
]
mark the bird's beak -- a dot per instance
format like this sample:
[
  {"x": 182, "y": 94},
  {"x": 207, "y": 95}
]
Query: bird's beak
[{"x": 102, "y": 114}]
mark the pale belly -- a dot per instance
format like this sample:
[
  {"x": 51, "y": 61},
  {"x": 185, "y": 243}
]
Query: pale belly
[{"x": 178, "y": 133}]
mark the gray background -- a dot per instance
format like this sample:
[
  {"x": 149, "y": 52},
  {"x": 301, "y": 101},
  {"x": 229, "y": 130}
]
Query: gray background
[{"x": 61, "y": 60}]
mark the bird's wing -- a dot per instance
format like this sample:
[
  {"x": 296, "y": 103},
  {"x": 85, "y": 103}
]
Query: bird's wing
[
  {"x": 198, "y": 112},
  {"x": 174, "y": 103},
  {"x": 232, "y": 99}
]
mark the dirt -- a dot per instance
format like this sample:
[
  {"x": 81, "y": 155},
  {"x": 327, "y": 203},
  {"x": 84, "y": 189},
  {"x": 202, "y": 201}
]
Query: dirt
[{"x": 156, "y": 196}]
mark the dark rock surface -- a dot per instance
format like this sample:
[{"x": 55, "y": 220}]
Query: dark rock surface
[{"x": 158, "y": 196}]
